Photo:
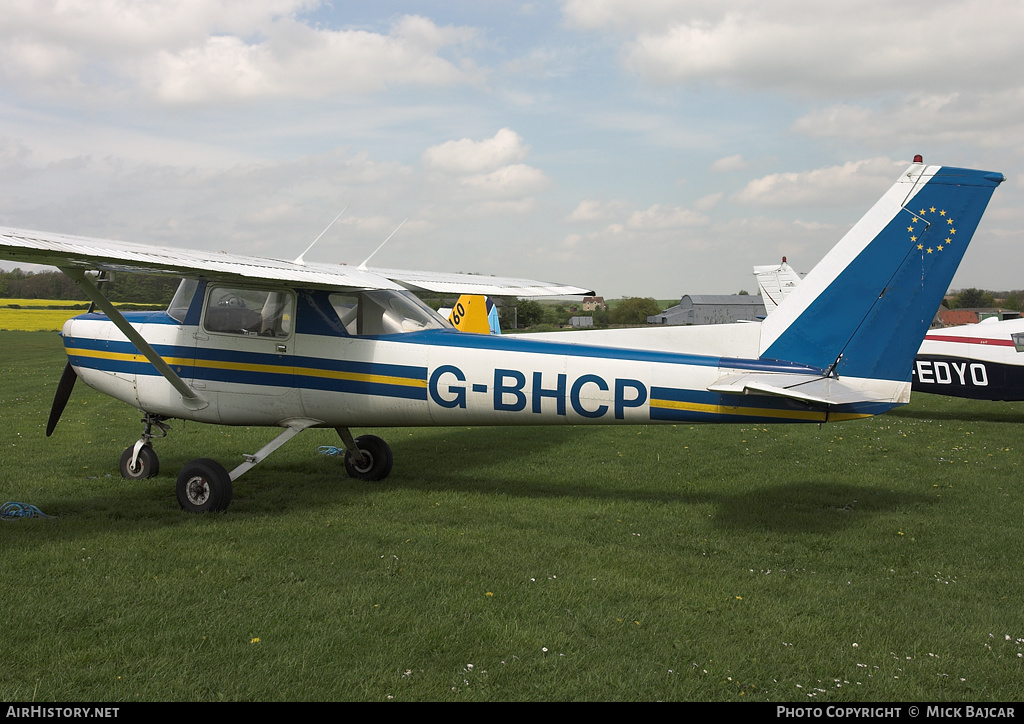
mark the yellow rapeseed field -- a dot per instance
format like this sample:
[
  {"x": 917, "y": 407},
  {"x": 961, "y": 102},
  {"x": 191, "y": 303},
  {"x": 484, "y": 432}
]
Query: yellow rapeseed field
[
  {"x": 33, "y": 320},
  {"x": 33, "y": 315}
]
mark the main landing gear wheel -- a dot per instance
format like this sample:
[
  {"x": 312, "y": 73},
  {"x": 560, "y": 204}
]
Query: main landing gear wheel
[
  {"x": 147, "y": 464},
  {"x": 203, "y": 486},
  {"x": 377, "y": 459}
]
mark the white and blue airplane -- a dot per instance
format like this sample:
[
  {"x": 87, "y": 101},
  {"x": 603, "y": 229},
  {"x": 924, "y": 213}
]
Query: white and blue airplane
[{"x": 250, "y": 341}]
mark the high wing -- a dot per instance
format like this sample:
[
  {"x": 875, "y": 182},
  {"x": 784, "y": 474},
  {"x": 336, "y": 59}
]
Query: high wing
[{"x": 80, "y": 252}]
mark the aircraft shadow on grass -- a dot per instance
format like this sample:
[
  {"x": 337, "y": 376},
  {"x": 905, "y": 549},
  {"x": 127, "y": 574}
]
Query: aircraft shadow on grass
[{"x": 480, "y": 461}]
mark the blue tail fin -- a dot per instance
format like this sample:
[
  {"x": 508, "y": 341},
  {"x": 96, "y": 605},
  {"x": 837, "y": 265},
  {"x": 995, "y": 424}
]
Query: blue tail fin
[{"x": 864, "y": 309}]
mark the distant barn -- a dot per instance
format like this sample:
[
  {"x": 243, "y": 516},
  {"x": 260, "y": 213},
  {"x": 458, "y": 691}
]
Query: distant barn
[{"x": 711, "y": 309}]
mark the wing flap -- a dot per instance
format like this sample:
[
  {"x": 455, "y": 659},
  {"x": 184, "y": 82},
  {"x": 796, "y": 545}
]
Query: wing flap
[{"x": 479, "y": 284}]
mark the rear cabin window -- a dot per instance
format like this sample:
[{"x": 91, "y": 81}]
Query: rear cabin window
[
  {"x": 384, "y": 312},
  {"x": 249, "y": 312}
]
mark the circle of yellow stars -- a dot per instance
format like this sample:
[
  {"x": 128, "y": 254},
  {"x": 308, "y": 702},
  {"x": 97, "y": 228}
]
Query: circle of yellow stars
[{"x": 921, "y": 216}]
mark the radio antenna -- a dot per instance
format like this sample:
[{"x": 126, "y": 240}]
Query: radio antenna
[
  {"x": 302, "y": 262},
  {"x": 362, "y": 267}
]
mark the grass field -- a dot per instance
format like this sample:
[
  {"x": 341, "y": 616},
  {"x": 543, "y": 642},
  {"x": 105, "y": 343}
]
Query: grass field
[{"x": 877, "y": 560}]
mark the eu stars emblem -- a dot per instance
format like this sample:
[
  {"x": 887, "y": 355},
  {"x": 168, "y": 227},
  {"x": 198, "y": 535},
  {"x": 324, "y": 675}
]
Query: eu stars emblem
[{"x": 923, "y": 219}]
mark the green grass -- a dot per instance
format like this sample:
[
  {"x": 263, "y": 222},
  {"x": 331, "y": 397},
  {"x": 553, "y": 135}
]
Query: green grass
[{"x": 876, "y": 560}]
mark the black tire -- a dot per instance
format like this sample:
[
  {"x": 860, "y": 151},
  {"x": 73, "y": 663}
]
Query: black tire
[
  {"x": 203, "y": 486},
  {"x": 377, "y": 456},
  {"x": 146, "y": 466}
]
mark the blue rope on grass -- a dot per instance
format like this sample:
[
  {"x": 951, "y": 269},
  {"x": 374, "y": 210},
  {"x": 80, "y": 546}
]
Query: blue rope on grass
[
  {"x": 13, "y": 511},
  {"x": 330, "y": 450}
]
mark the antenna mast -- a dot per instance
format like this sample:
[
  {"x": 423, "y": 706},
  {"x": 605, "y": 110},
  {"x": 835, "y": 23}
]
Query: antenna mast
[
  {"x": 302, "y": 262},
  {"x": 362, "y": 267}
]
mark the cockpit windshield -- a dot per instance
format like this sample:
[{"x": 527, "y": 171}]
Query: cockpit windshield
[
  {"x": 385, "y": 312},
  {"x": 182, "y": 300}
]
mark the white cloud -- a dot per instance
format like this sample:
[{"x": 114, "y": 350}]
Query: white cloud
[
  {"x": 467, "y": 156},
  {"x": 216, "y": 51},
  {"x": 485, "y": 174},
  {"x": 510, "y": 181},
  {"x": 991, "y": 120},
  {"x": 729, "y": 163},
  {"x": 631, "y": 14},
  {"x": 804, "y": 46},
  {"x": 707, "y": 203},
  {"x": 831, "y": 186},
  {"x": 593, "y": 210},
  {"x": 657, "y": 217},
  {"x": 661, "y": 217}
]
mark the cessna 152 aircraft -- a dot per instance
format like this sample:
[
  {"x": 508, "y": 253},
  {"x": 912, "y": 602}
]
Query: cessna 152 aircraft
[{"x": 250, "y": 341}]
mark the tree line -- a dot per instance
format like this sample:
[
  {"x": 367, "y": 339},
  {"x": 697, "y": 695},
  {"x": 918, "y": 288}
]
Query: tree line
[
  {"x": 138, "y": 288},
  {"x": 980, "y": 298},
  {"x": 631, "y": 310}
]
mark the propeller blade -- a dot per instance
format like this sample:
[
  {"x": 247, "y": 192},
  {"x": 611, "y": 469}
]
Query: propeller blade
[{"x": 60, "y": 400}]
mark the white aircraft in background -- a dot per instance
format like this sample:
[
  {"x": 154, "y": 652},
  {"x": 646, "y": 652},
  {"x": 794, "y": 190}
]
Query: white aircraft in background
[
  {"x": 250, "y": 341},
  {"x": 983, "y": 361}
]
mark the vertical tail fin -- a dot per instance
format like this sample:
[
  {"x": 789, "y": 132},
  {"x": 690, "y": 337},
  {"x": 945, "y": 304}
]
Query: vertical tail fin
[{"x": 864, "y": 309}]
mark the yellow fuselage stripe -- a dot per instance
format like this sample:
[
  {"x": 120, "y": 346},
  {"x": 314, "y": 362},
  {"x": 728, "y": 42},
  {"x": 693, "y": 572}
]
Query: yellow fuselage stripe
[{"x": 249, "y": 367}]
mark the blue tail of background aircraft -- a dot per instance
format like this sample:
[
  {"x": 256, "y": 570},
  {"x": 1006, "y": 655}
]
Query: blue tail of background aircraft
[{"x": 864, "y": 309}]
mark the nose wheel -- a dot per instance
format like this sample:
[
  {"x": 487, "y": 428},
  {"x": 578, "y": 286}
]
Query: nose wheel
[
  {"x": 141, "y": 465},
  {"x": 139, "y": 461}
]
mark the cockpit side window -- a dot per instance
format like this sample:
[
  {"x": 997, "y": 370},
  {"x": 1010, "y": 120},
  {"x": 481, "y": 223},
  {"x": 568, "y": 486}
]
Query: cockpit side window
[
  {"x": 249, "y": 312},
  {"x": 384, "y": 312}
]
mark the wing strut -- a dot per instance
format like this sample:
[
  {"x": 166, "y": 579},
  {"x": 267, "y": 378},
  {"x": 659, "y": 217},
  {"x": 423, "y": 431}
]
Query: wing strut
[{"x": 190, "y": 397}]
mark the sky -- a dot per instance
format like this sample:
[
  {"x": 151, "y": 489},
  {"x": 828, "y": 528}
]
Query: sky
[{"x": 636, "y": 147}]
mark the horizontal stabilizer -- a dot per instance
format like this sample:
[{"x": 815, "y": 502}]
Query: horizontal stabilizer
[{"x": 819, "y": 391}]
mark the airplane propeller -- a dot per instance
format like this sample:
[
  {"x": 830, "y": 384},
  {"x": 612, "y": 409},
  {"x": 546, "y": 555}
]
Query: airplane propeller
[
  {"x": 60, "y": 400},
  {"x": 68, "y": 377}
]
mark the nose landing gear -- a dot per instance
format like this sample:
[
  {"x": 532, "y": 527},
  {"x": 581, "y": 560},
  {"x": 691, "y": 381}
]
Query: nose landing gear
[{"x": 139, "y": 461}]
